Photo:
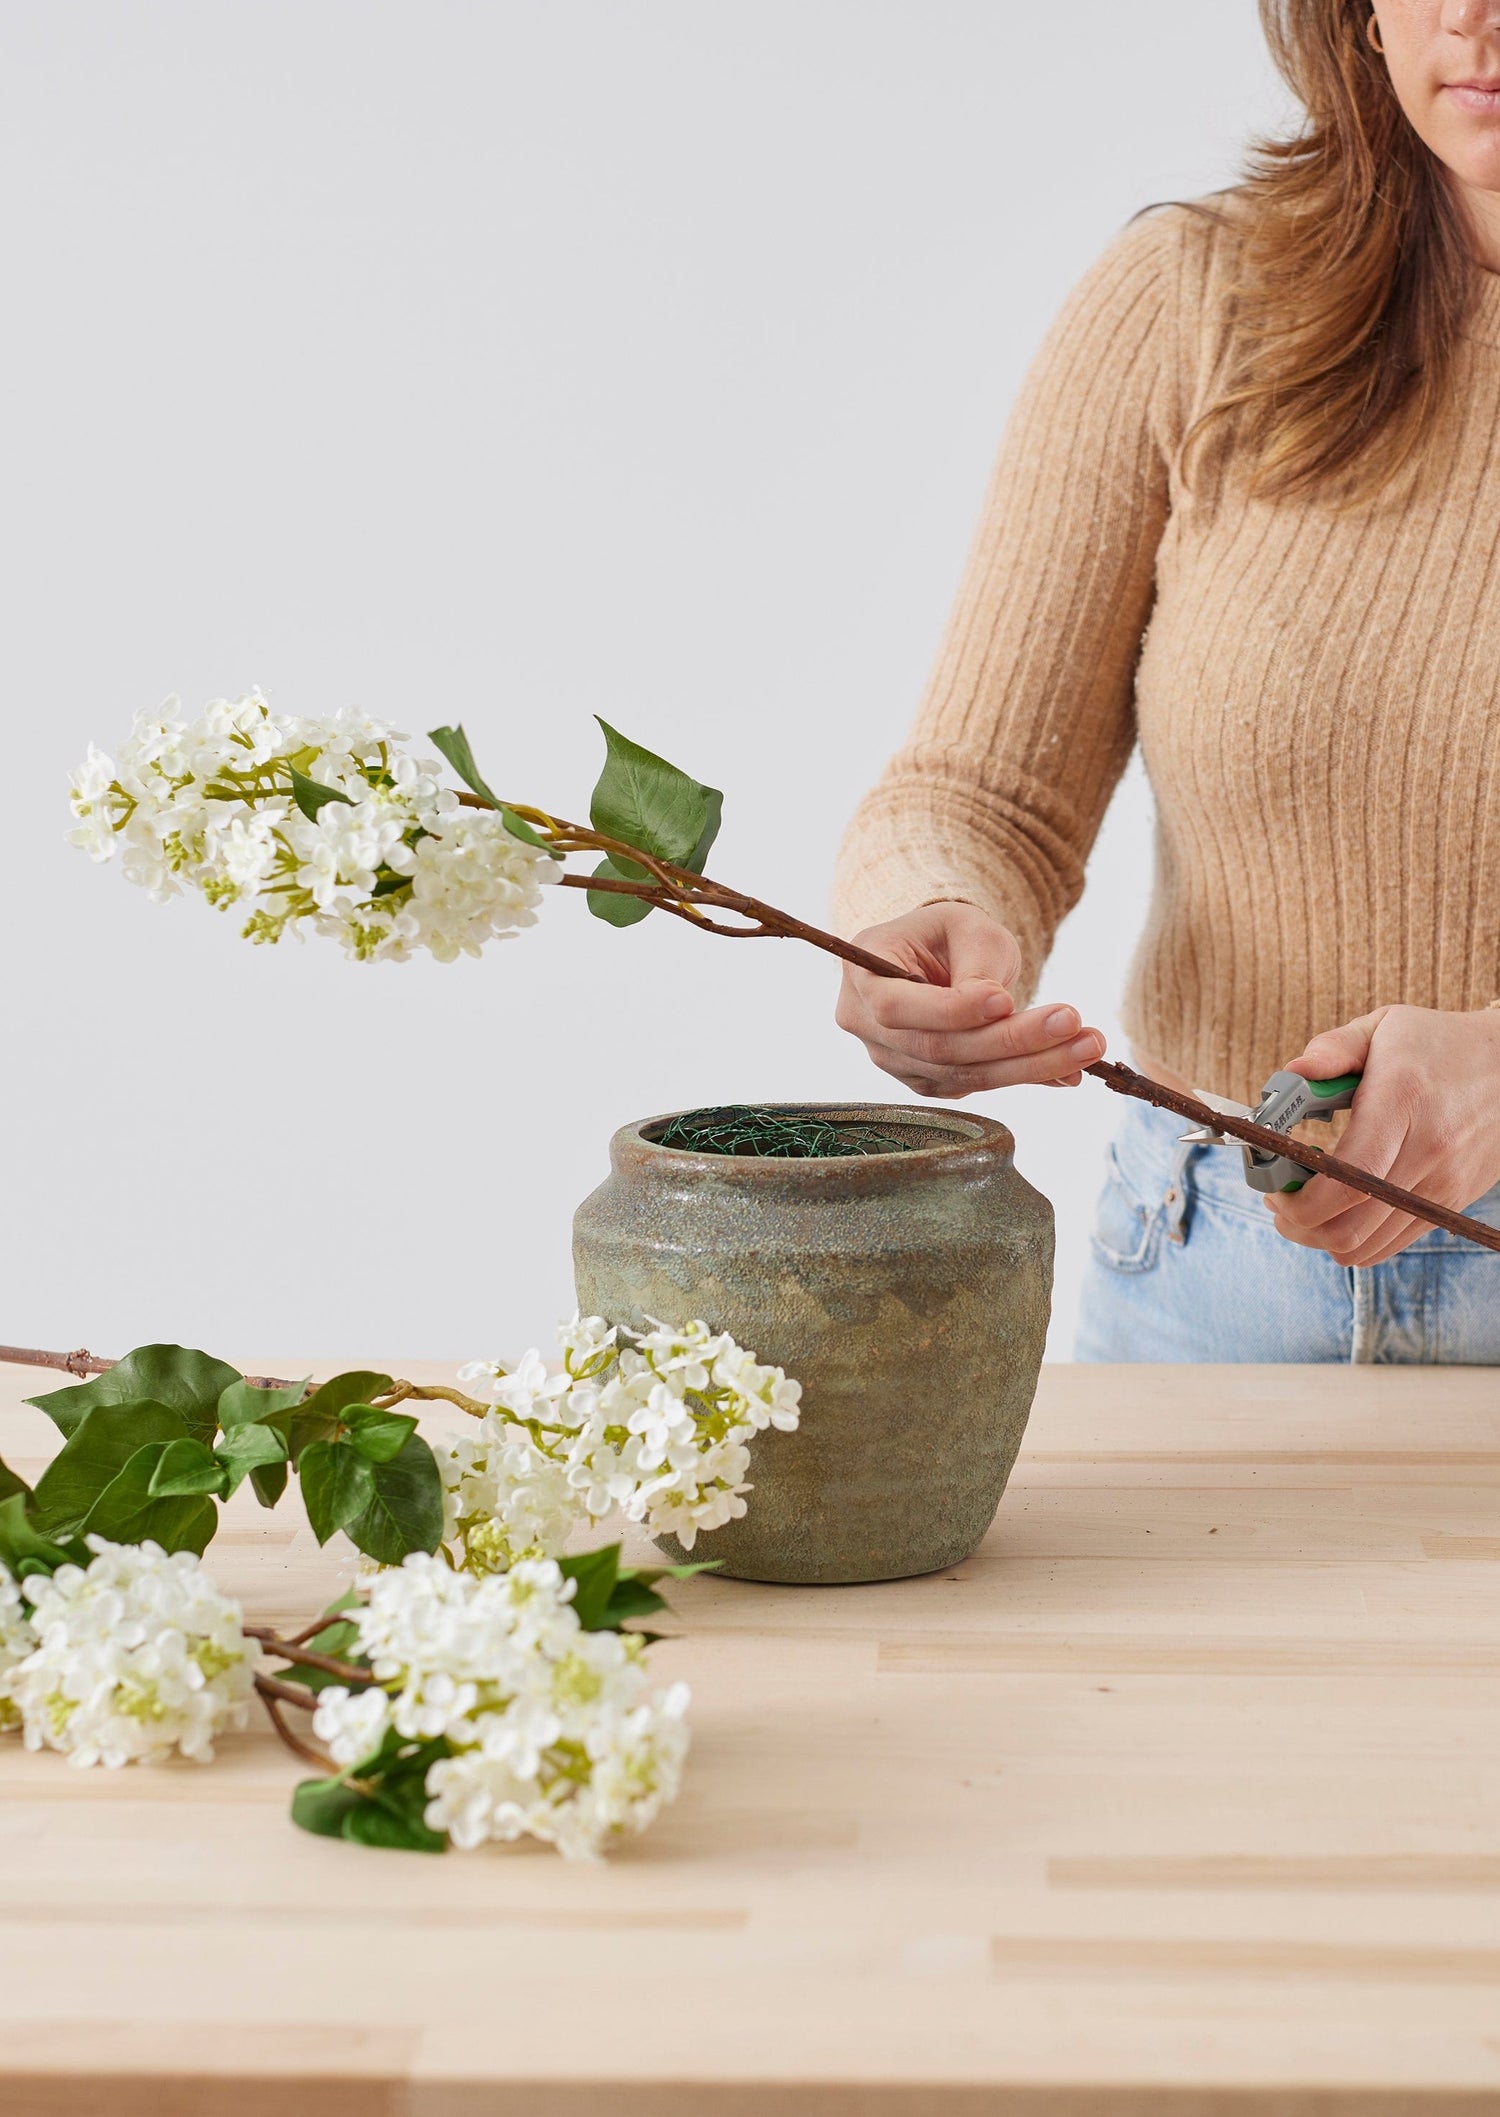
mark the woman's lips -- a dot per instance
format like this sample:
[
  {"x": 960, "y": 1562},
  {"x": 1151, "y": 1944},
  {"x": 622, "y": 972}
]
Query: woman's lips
[{"x": 1482, "y": 97}]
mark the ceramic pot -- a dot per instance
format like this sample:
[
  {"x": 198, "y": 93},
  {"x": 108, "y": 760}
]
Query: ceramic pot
[{"x": 907, "y": 1292}]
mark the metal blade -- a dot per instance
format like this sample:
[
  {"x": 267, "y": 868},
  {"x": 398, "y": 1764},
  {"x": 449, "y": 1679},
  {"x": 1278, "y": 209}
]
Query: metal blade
[{"x": 1204, "y": 1135}]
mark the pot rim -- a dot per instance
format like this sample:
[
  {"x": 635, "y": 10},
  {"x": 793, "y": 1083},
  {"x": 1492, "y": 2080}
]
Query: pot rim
[{"x": 978, "y": 1143}]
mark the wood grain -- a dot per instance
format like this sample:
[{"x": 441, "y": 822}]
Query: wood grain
[{"x": 1180, "y": 1799}]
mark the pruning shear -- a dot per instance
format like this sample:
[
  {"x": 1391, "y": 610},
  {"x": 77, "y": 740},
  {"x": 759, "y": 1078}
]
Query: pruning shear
[{"x": 1286, "y": 1100}]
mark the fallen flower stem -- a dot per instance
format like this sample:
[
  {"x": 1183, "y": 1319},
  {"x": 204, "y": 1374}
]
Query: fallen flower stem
[
  {"x": 290, "y": 1693},
  {"x": 319, "y": 1624},
  {"x": 269, "y": 1691},
  {"x": 83, "y": 1363},
  {"x": 304, "y": 1657}
]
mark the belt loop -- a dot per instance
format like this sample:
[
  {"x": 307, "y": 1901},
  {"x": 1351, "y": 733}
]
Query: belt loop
[{"x": 1179, "y": 1197}]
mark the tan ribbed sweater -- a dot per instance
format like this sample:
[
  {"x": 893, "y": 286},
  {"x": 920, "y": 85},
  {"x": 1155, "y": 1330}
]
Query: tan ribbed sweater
[{"x": 1317, "y": 695}]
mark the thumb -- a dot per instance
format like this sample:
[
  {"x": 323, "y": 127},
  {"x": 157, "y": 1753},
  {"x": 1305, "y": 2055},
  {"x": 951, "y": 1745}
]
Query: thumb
[
  {"x": 1336, "y": 1051},
  {"x": 982, "y": 951}
]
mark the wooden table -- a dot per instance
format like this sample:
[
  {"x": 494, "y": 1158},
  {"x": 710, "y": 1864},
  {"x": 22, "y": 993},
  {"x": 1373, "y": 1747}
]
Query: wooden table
[{"x": 1182, "y": 1797}]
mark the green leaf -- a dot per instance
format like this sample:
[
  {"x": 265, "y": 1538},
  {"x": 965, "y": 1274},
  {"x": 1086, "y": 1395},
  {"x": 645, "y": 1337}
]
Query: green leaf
[
  {"x": 608, "y": 1594},
  {"x": 320, "y": 1805},
  {"x": 651, "y": 1574},
  {"x": 698, "y": 857},
  {"x": 23, "y": 1549},
  {"x": 11, "y": 1484},
  {"x": 99, "y": 1449},
  {"x": 646, "y": 802},
  {"x": 609, "y": 905},
  {"x": 188, "y": 1469},
  {"x": 245, "y": 1411},
  {"x": 402, "y": 1764},
  {"x": 242, "y": 1404},
  {"x": 127, "y": 1511},
  {"x": 385, "y": 1808},
  {"x": 269, "y": 1483},
  {"x": 629, "y": 1598},
  {"x": 394, "y": 1824},
  {"x": 406, "y": 1513},
  {"x": 454, "y": 745},
  {"x": 338, "y": 1484},
  {"x": 378, "y": 1434},
  {"x": 310, "y": 796},
  {"x": 594, "y": 1574},
  {"x": 320, "y": 1416},
  {"x": 185, "y": 1381},
  {"x": 248, "y": 1448}
]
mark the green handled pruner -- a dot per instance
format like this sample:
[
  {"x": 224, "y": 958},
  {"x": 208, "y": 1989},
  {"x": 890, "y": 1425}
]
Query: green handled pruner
[{"x": 1286, "y": 1100}]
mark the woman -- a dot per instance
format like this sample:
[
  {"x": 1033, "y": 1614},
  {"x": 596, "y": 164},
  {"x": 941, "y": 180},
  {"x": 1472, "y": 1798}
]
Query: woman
[{"x": 1247, "y": 513}]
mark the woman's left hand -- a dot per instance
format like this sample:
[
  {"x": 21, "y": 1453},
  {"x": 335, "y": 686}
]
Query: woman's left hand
[{"x": 1426, "y": 1116}]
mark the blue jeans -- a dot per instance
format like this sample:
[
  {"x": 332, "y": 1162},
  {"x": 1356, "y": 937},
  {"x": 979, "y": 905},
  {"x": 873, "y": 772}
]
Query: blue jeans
[{"x": 1187, "y": 1265}]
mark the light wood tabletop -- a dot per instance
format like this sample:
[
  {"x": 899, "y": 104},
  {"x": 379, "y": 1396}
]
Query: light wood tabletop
[{"x": 1181, "y": 1797}]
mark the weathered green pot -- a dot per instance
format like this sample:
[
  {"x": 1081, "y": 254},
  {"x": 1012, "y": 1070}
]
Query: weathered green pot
[{"x": 907, "y": 1292}]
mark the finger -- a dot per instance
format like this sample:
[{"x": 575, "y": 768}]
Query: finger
[
  {"x": 1061, "y": 1063},
  {"x": 1023, "y": 1039},
  {"x": 1055, "y": 1037},
  {"x": 1346, "y": 1237},
  {"x": 1378, "y": 1132},
  {"x": 931, "y": 1008},
  {"x": 946, "y": 944},
  {"x": 910, "y": 1015},
  {"x": 1336, "y": 1051},
  {"x": 1403, "y": 1231},
  {"x": 1311, "y": 1211},
  {"x": 1368, "y": 1224}
]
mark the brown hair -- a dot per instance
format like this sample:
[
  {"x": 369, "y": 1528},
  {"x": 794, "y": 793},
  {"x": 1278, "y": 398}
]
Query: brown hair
[{"x": 1355, "y": 276}]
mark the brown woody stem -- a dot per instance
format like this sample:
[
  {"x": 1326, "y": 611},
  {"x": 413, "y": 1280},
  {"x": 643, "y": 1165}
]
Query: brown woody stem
[
  {"x": 271, "y": 1695},
  {"x": 1125, "y": 1081},
  {"x": 304, "y": 1657},
  {"x": 766, "y": 921},
  {"x": 83, "y": 1363}
]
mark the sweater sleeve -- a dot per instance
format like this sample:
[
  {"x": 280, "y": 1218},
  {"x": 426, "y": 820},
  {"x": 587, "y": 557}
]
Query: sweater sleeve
[{"x": 1028, "y": 718}]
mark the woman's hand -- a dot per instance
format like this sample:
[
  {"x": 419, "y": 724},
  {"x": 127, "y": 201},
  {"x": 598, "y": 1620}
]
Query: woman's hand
[
  {"x": 959, "y": 1032},
  {"x": 1426, "y": 1116}
]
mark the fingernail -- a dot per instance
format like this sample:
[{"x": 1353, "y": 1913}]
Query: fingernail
[
  {"x": 1085, "y": 1046},
  {"x": 999, "y": 1003},
  {"x": 1061, "y": 1022}
]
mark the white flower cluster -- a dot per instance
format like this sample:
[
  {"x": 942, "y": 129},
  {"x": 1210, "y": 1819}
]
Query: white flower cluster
[
  {"x": 395, "y": 866},
  {"x": 551, "y": 1731},
  {"x": 656, "y": 1423},
  {"x": 17, "y": 1640},
  {"x": 132, "y": 1657}
]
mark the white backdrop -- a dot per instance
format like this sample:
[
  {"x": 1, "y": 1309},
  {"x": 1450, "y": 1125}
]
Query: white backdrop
[{"x": 509, "y": 362}]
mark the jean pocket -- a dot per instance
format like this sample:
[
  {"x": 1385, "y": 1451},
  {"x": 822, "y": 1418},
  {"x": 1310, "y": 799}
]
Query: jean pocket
[{"x": 1127, "y": 1229}]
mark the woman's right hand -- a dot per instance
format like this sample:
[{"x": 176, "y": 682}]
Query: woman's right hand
[{"x": 958, "y": 1032}]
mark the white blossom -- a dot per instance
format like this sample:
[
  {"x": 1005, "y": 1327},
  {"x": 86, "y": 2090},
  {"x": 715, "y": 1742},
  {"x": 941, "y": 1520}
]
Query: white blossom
[
  {"x": 17, "y": 1640},
  {"x": 656, "y": 1424},
  {"x": 392, "y": 866},
  {"x": 136, "y": 1655},
  {"x": 551, "y": 1729},
  {"x": 351, "y": 1724}
]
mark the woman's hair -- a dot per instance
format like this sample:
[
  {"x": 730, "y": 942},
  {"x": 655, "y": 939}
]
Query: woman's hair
[{"x": 1355, "y": 274}]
